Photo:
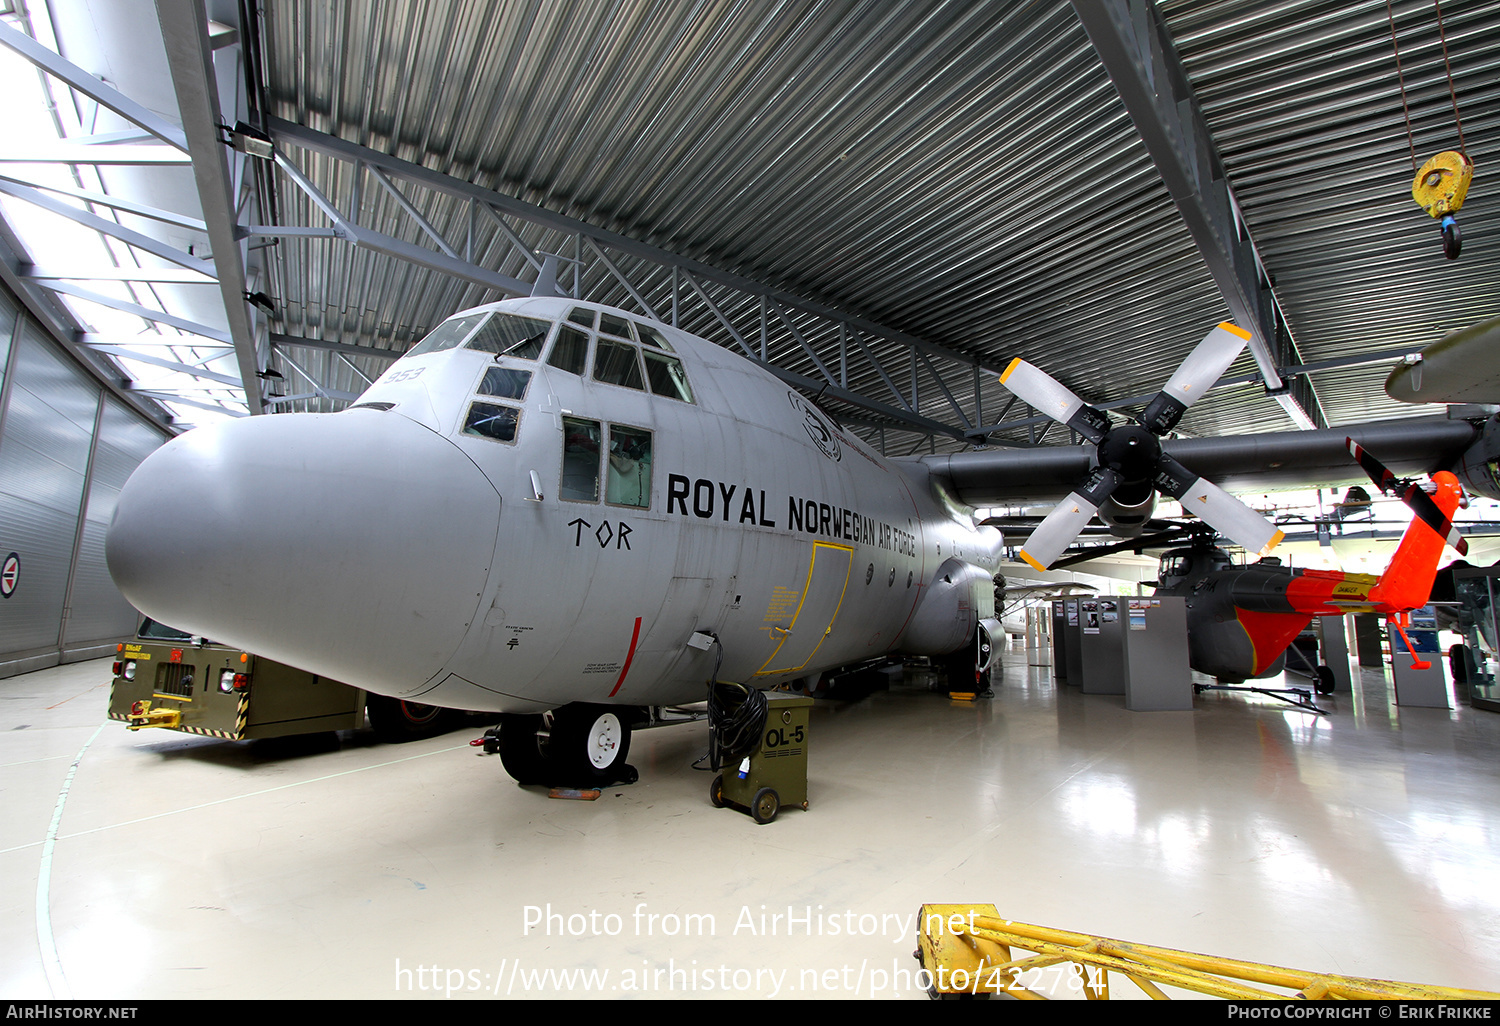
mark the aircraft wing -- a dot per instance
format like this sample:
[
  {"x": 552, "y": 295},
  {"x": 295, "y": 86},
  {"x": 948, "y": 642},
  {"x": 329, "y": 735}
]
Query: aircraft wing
[
  {"x": 1291, "y": 459},
  {"x": 1459, "y": 368}
]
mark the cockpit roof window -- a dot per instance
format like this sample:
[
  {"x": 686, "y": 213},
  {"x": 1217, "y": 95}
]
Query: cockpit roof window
[
  {"x": 652, "y": 337},
  {"x": 447, "y": 335},
  {"x": 609, "y": 324},
  {"x": 581, "y": 315},
  {"x": 506, "y": 334}
]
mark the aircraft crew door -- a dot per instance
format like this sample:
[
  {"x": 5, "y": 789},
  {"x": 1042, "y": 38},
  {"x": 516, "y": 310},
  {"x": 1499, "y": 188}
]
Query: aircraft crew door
[{"x": 818, "y": 608}]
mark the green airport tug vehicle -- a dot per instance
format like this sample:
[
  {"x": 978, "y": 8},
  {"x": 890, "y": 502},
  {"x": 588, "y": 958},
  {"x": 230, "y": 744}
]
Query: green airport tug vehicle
[{"x": 173, "y": 680}]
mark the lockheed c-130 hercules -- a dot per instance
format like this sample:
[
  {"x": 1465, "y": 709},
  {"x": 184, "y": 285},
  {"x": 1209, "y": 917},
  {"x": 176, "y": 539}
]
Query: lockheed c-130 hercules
[{"x": 553, "y": 506}]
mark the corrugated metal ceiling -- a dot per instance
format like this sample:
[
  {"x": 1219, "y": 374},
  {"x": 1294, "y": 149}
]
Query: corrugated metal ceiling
[{"x": 960, "y": 171}]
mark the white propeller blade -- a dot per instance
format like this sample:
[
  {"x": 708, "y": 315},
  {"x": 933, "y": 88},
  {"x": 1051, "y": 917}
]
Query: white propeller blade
[
  {"x": 1230, "y": 517},
  {"x": 1058, "y": 529},
  {"x": 1207, "y": 363},
  {"x": 1051, "y": 397},
  {"x": 1055, "y": 533}
]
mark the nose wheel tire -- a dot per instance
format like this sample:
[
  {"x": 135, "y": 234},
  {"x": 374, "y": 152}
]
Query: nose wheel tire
[
  {"x": 589, "y": 745},
  {"x": 520, "y": 748}
]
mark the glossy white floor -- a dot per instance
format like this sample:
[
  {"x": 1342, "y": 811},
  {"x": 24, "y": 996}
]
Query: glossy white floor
[{"x": 1365, "y": 842}]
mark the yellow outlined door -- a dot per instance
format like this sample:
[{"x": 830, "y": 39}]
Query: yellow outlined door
[{"x": 827, "y": 578}]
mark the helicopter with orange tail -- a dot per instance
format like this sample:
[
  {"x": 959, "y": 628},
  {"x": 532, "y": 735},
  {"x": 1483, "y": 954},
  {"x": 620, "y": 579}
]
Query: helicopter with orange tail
[{"x": 1241, "y": 619}]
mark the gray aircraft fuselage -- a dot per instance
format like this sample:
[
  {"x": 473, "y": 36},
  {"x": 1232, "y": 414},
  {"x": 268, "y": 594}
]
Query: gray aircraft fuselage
[{"x": 513, "y": 525}]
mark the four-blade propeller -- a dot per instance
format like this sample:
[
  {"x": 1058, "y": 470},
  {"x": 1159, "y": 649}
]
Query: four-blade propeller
[
  {"x": 1130, "y": 458},
  {"x": 1410, "y": 493}
]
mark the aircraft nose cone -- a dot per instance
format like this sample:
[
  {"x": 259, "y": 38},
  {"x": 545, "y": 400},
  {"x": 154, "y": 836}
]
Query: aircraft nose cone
[{"x": 353, "y": 545}]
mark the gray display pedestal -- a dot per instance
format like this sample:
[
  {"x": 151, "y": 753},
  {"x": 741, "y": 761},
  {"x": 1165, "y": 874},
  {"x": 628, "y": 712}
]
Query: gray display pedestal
[
  {"x": 1157, "y": 676},
  {"x": 1421, "y": 688},
  {"x": 1368, "y": 634},
  {"x": 1101, "y": 647},
  {"x": 1059, "y": 641},
  {"x": 1072, "y": 640}
]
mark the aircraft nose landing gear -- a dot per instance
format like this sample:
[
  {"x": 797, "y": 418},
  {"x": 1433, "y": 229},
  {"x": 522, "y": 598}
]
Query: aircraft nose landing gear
[{"x": 579, "y": 745}]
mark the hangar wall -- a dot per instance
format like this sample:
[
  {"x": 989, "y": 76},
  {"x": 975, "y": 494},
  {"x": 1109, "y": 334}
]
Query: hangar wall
[{"x": 66, "y": 448}]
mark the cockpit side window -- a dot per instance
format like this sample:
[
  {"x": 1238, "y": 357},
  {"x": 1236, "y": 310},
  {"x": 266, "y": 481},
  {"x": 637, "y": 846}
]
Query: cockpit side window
[
  {"x": 571, "y": 350},
  {"x": 667, "y": 376},
  {"x": 497, "y": 423},
  {"x": 447, "y": 335},
  {"x": 629, "y": 481},
  {"x": 616, "y": 363},
  {"x": 505, "y": 382},
  {"x": 510, "y": 335},
  {"x": 580, "y": 465}
]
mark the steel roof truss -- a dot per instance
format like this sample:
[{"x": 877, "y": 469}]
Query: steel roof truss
[
  {"x": 105, "y": 200},
  {"x": 801, "y": 341},
  {"x": 124, "y": 306},
  {"x": 347, "y": 349},
  {"x": 379, "y": 242},
  {"x": 191, "y": 370},
  {"x": 506, "y": 230},
  {"x": 81, "y": 81},
  {"x": 1136, "y": 50},
  {"x": 620, "y": 277},
  {"x": 185, "y": 34},
  {"x": 107, "y": 227}
]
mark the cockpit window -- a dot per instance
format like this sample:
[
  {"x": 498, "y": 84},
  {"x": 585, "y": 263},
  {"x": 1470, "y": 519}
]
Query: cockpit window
[
  {"x": 494, "y": 422},
  {"x": 1175, "y": 566},
  {"x": 505, "y": 383},
  {"x": 580, "y": 315},
  {"x": 609, "y": 324},
  {"x": 446, "y": 335},
  {"x": 652, "y": 337},
  {"x": 571, "y": 350},
  {"x": 510, "y": 335},
  {"x": 629, "y": 482},
  {"x": 616, "y": 363},
  {"x": 580, "y": 468},
  {"x": 667, "y": 376}
]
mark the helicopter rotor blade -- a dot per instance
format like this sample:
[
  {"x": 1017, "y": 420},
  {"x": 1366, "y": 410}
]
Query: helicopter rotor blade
[{"x": 1412, "y": 494}]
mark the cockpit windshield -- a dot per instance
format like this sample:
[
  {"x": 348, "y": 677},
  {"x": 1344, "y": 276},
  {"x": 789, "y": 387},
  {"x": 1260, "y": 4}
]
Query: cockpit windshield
[
  {"x": 503, "y": 334},
  {"x": 509, "y": 335},
  {"x": 447, "y": 335}
]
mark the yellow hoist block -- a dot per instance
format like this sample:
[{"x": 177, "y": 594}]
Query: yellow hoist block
[
  {"x": 968, "y": 950},
  {"x": 1442, "y": 184}
]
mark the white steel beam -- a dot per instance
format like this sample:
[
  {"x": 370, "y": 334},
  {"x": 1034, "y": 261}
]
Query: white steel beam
[{"x": 185, "y": 33}]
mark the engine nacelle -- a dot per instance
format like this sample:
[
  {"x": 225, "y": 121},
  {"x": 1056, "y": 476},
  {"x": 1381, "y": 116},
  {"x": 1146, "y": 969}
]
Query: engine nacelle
[{"x": 1127, "y": 515}]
